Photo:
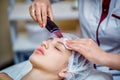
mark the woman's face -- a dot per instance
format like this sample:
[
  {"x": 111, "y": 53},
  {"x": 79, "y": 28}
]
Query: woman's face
[{"x": 50, "y": 56}]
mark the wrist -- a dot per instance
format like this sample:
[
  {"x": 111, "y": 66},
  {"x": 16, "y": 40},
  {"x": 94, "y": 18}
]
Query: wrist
[{"x": 104, "y": 59}]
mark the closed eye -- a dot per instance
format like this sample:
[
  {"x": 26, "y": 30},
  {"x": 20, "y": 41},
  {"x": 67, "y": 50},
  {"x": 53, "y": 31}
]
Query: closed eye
[
  {"x": 60, "y": 47},
  {"x": 62, "y": 44},
  {"x": 57, "y": 48}
]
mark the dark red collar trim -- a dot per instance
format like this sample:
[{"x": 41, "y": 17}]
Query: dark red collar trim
[{"x": 105, "y": 10}]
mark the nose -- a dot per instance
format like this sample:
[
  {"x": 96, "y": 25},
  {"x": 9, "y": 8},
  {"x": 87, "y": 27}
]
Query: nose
[{"x": 44, "y": 45}]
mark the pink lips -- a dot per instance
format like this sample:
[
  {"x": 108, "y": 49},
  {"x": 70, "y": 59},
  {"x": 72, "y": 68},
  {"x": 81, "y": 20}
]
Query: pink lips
[{"x": 40, "y": 50}]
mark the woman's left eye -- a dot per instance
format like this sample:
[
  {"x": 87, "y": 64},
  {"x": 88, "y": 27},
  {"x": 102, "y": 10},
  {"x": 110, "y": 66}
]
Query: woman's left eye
[{"x": 57, "y": 48}]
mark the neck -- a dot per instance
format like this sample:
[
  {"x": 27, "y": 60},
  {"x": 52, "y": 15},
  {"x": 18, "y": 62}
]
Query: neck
[{"x": 36, "y": 74}]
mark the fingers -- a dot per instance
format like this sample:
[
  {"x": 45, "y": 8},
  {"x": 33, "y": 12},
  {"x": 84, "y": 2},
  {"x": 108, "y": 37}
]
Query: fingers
[
  {"x": 39, "y": 10},
  {"x": 32, "y": 12},
  {"x": 38, "y": 14},
  {"x": 77, "y": 41},
  {"x": 88, "y": 48},
  {"x": 44, "y": 15},
  {"x": 50, "y": 14},
  {"x": 80, "y": 45},
  {"x": 46, "y": 12},
  {"x": 81, "y": 41}
]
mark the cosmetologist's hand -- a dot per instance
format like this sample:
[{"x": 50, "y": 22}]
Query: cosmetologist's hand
[
  {"x": 39, "y": 10},
  {"x": 89, "y": 49}
]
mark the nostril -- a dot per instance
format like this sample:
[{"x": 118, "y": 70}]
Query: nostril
[{"x": 45, "y": 44}]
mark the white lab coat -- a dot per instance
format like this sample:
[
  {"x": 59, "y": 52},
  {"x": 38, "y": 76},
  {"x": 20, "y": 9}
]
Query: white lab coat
[{"x": 109, "y": 31}]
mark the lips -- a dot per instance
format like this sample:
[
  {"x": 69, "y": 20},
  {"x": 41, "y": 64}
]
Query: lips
[{"x": 40, "y": 50}]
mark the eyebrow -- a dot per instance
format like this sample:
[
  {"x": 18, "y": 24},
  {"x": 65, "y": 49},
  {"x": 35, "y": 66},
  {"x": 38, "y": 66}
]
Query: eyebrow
[
  {"x": 51, "y": 38},
  {"x": 61, "y": 44},
  {"x": 57, "y": 42}
]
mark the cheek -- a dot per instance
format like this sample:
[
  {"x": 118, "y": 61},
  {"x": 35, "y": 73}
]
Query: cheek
[
  {"x": 36, "y": 60},
  {"x": 56, "y": 62},
  {"x": 49, "y": 62},
  {"x": 53, "y": 59}
]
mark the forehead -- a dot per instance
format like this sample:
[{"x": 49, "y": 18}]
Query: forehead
[
  {"x": 61, "y": 41},
  {"x": 55, "y": 39}
]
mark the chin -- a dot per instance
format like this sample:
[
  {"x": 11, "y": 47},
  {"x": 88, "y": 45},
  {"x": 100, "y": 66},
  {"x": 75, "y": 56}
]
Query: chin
[{"x": 33, "y": 60}]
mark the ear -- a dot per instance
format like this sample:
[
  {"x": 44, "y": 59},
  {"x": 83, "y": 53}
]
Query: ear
[{"x": 63, "y": 72}]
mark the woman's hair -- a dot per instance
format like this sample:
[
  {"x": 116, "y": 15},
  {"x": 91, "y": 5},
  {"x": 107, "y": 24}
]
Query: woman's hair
[{"x": 78, "y": 66}]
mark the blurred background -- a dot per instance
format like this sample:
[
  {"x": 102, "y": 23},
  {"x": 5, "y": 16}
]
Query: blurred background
[{"x": 20, "y": 35}]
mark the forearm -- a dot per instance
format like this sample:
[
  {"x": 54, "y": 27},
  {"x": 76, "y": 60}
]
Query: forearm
[{"x": 111, "y": 60}]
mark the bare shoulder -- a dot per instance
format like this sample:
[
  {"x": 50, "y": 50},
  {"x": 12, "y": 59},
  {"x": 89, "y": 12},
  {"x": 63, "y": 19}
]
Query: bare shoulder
[{"x": 4, "y": 76}]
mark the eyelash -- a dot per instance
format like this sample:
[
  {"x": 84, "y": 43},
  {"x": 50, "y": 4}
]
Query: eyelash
[{"x": 57, "y": 49}]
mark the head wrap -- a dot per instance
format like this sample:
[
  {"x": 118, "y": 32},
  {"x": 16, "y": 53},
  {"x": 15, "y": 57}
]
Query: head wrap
[{"x": 78, "y": 66}]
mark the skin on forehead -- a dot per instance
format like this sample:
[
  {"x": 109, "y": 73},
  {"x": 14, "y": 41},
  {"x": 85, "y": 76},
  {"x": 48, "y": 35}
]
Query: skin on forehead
[{"x": 62, "y": 41}]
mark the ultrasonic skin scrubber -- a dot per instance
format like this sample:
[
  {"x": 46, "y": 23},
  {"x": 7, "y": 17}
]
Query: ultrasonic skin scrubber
[{"x": 53, "y": 28}]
